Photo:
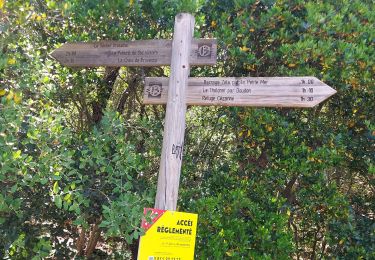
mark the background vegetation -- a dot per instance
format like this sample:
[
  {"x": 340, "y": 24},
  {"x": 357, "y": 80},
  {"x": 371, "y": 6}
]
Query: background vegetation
[{"x": 79, "y": 153}]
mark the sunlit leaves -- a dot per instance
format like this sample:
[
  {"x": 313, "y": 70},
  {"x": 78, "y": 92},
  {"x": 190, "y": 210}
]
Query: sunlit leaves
[{"x": 261, "y": 179}]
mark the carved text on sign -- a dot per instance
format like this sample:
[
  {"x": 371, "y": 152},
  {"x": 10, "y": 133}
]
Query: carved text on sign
[
  {"x": 250, "y": 91},
  {"x": 132, "y": 53}
]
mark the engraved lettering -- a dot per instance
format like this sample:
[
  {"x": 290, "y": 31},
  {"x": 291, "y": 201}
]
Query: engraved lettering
[
  {"x": 225, "y": 99},
  {"x": 151, "y": 52},
  {"x": 177, "y": 150},
  {"x": 208, "y": 98},
  {"x": 129, "y": 60},
  {"x": 217, "y": 90},
  {"x": 252, "y": 82},
  {"x": 308, "y": 82},
  {"x": 211, "y": 82},
  {"x": 119, "y": 45},
  {"x": 243, "y": 90},
  {"x": 147, "y": 60},
  {"x": 225, "y": 82}
]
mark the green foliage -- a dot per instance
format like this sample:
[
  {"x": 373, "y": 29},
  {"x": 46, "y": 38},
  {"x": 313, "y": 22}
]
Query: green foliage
[
  {"x": 79, "y": 151},
  {"x": 72, "y": 179},
  {"x": 233, "y": 224}
]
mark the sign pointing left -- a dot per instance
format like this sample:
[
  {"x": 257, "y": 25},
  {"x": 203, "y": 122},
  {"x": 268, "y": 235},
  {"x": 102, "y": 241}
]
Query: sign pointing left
[{"x": 143, "y": 53}]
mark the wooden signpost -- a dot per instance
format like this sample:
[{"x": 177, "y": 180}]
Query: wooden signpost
[
  {"x": 179, "y": 90},
  {"x": 180, "y": 53},
  {"x": 174, "y": 126},
  {"x": 250, "y": 91},
  {"x": 143, "y": 53}
]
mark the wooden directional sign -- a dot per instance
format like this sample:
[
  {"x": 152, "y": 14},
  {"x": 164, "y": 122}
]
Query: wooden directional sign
[
  {"x": 132, "y": 53},
  {"x": 256, "y": 92},
  {"x": 180, "y": 90}
]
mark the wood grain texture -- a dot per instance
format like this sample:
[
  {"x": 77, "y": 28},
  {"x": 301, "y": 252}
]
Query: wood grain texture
[
  {"x": 174, "y": 128},
  {"x": 132, "y": 53},
  {"x": 250, "y": 91}
]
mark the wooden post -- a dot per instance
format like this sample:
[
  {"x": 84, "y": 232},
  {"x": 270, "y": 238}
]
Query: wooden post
[{"x": 174, "y": 128}]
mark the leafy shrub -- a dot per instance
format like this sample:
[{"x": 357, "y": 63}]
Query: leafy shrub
[{"x": 79, "y": 152}]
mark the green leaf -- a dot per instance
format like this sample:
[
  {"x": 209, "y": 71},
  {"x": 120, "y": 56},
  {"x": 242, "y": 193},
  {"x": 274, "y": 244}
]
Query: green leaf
[
  {"x": 56, "y": 187},
  {"x": 16, "y": 154},
  {"x": 75, "y": 207},
  {"x": 67, "y": 197},
  {"x": 58, "y": 201},
  {"x": 14, "y": 188},
  {"x": 43, "y": 181}
]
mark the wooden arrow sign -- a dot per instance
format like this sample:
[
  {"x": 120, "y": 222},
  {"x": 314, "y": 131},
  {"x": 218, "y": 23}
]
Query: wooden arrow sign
[
  {"x": 256, "y": 92},
  {"x": 132, "y": 53}
]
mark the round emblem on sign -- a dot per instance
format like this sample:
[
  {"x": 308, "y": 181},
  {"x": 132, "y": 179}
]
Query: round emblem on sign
[
  {"x": 204, "y": 50},
  {"x": 154, "y": 90}
]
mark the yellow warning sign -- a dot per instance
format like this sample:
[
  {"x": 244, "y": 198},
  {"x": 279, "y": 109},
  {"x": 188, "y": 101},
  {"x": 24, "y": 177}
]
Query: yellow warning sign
[{"x": 170, "y": 236}]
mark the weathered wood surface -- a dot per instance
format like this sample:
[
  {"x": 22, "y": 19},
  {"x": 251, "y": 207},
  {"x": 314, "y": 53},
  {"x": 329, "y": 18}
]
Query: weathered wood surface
[
  {"x": 132, "y": 53},
  {"x": 250, "y": 91},
  {"x": 174, "y": 127}
]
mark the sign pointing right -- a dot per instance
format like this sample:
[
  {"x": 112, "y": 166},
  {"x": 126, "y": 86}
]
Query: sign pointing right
[{"x": 249, "y": 91}]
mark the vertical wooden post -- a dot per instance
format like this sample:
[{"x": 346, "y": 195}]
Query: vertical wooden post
[{"x": 174, "y": 128}]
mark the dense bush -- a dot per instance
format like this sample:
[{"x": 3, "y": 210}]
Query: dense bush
[
  {"x": 79, "y": 153},
  {"x": 54, "y": 180}
]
